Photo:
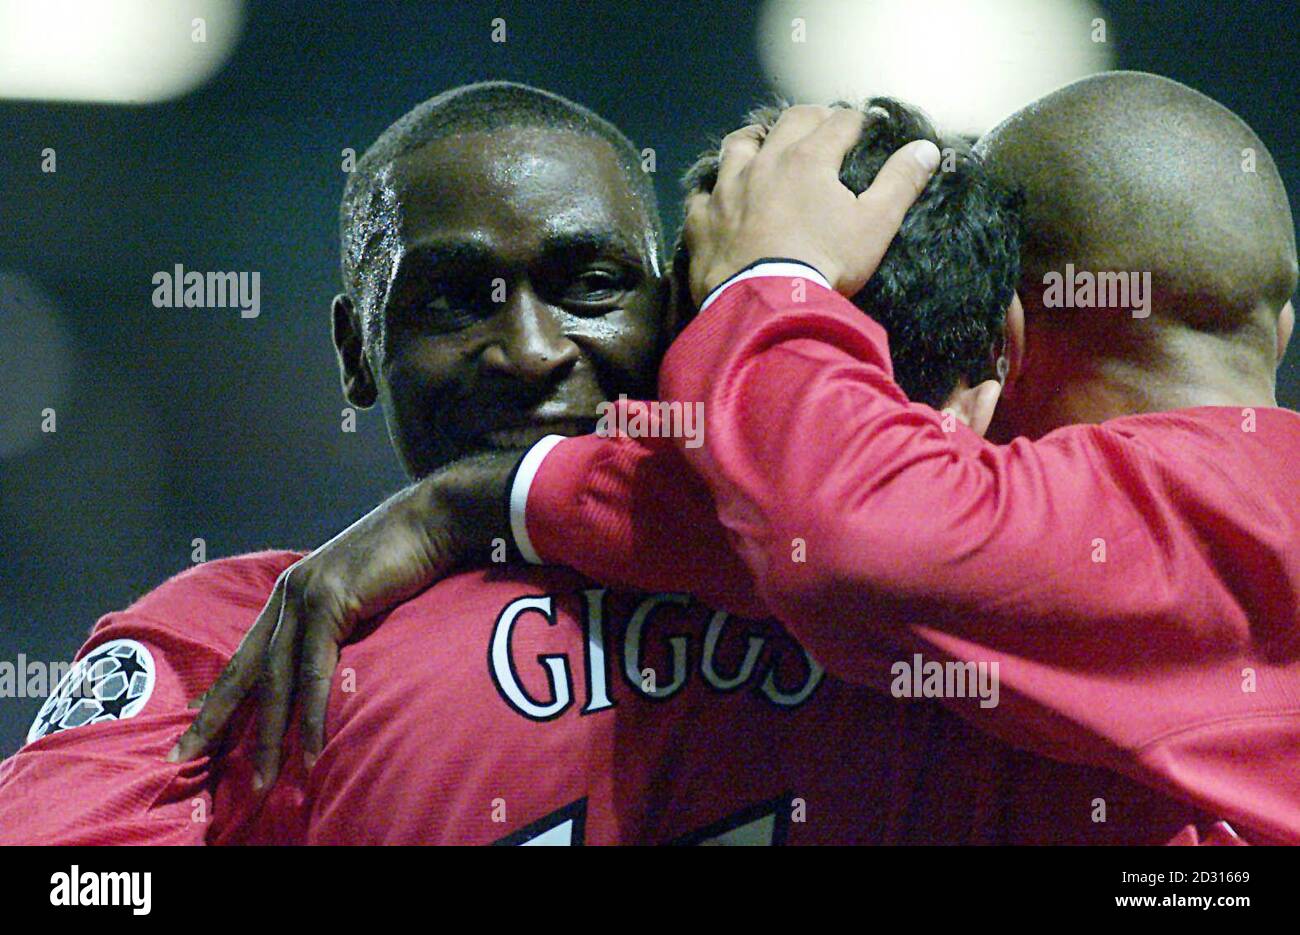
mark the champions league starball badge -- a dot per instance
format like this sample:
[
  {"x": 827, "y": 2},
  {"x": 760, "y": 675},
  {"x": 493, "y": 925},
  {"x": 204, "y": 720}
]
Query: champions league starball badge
[{"x": 111, "y": 683}]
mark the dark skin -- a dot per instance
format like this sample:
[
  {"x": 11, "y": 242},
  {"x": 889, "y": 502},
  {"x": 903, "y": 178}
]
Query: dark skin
[
  {"x": 525, "y": 292},
  {"x": 767, "y": 233}
]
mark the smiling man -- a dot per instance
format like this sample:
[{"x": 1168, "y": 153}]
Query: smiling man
[
  {"x": 1129, "y": 563},
  {"x": 501, "y": 269},
  {"x": 502, "y": 280},
  {"x": 502, "y": 277}
]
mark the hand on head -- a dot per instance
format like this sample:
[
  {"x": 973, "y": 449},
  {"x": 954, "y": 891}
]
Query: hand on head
[{"x": 779, "y": 195}]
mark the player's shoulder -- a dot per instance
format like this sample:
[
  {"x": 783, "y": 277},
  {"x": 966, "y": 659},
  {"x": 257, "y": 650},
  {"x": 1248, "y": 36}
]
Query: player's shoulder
[
  {"x": 237, "y": 579},
  {"x": 1208, "y": 422},
  {"x": 1225, "y": 432},
  {"x": 215, "y": 593},
  {"x": 1239, "y": 460}
]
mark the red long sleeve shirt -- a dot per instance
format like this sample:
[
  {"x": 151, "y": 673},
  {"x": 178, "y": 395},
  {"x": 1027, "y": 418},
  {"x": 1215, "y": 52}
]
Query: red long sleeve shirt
[
  {"x": 1137, "y": 582},
  {"x": 535, "y": 707},
  {"x": 521, "y": 706}
]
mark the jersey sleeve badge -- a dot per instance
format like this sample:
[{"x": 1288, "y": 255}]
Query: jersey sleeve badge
[{"x": 111, "y": 683}]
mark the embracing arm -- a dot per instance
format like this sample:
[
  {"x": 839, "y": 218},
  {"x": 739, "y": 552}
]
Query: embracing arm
[
  {"x": 1129, "y": 580},
  {"x": 628, "y": 512}
]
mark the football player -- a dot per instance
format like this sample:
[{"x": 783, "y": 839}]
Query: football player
[
  {"x": 1127, "y": 555},
  {"x": 502, "y": 281}
]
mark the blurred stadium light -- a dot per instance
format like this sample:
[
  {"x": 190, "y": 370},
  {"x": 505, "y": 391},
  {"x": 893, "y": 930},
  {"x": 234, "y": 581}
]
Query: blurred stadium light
[
  {"x": 967, "y": 62},
  {"x": 113, "y": 51}
]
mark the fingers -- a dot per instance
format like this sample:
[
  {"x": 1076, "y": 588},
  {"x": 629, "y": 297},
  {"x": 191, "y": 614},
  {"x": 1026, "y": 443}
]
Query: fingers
[
  {"x": 320, "y": 656},
  {"x": 904, "y": 175},
  {"x": 820, "y": 136},
  {"x": 897, "y": 185},
  {"x": 231, "y": 686},
  {"x": 831, "y": 140},
  {"x": 695, "y": 226},
  {"x": 275, "y": 691},
  {"x": 794, "y": 124},
  {"x": 738, "y": 148},
  {"x": 696, "y": 213}
]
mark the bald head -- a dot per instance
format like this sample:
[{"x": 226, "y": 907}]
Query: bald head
[{"x": 1131, "y": 172}]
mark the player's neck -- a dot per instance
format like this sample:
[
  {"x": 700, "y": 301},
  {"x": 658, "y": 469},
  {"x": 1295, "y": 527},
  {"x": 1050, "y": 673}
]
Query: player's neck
[{"x": 1092, "y": 388}]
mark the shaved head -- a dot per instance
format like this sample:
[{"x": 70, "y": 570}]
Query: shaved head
[{"x": 1126, "y": 171}]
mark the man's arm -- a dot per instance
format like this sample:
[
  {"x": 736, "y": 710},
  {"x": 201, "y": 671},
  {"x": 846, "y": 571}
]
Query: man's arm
[
  {"x": 1120, "y": 576},
  {"x": 628, "y": 512},
  {"x": 875, "y": 530},
  {"x": 413, "y": 539}
]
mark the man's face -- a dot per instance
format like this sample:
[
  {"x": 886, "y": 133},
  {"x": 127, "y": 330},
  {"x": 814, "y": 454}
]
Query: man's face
[{"x": 524, "y": 293}]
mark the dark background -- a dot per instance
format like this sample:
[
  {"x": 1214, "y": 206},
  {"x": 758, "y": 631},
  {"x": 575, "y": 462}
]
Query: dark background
[{"x": 183, "y": 423}]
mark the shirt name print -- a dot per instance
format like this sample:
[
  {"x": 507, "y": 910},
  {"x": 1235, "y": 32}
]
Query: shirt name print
[{"x": 626, "y": 645}]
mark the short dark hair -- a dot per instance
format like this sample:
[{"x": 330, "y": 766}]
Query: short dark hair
[
  {"x": 485, "y": 106},
  {"x": 942, "y": 290}
]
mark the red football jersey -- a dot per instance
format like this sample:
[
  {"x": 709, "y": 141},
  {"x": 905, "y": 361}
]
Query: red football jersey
[
  {"x": 1136, "y": 582},
  {"x": 93, "y": 770},
  {"x": 494, "y": 708},
  {"x": 533, "y": 707}
]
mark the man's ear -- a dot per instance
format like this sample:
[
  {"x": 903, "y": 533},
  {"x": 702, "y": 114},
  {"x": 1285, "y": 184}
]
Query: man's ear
[
  {"x": 678, "y": 312},
  {"x": 974, "y": 405},
  {"x": 349, "y": 343},
  {"x": 1285, "y": 323},
  {"x": 1013, "y": 344}
]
